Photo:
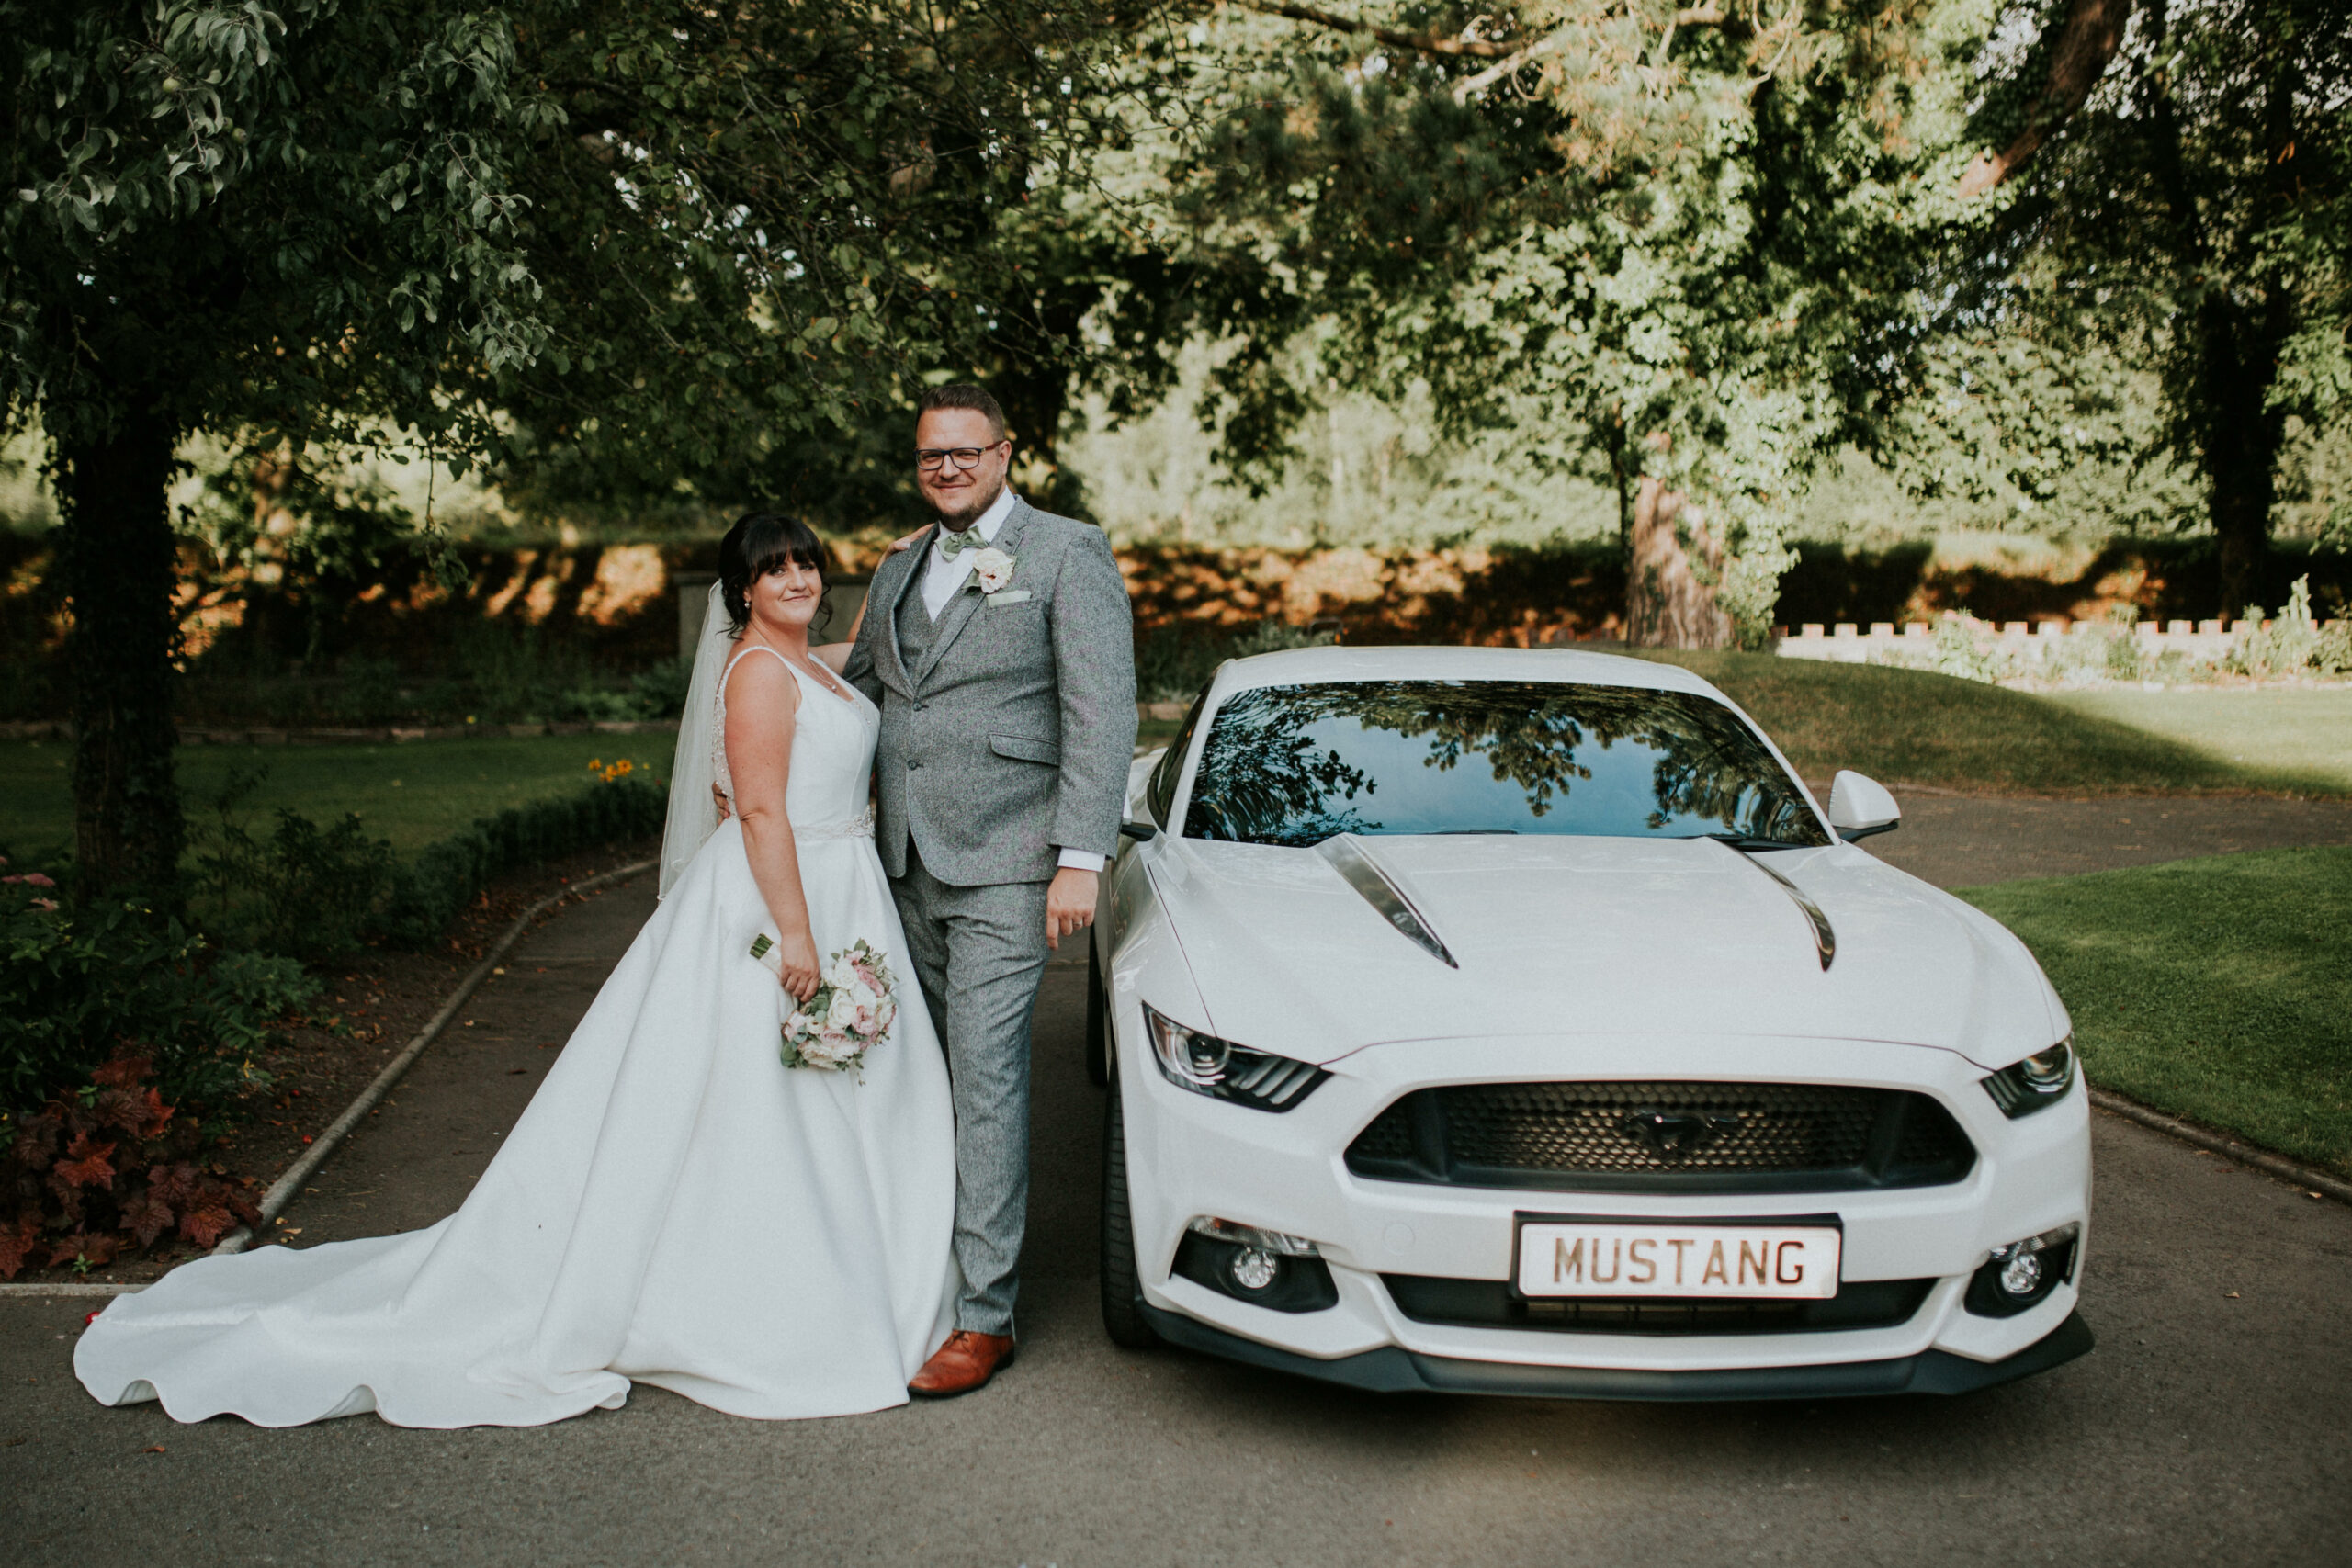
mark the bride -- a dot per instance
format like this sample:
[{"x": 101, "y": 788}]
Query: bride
[{"x": 675, "y": 1206}]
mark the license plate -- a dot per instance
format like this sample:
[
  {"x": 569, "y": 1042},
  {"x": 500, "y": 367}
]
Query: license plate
[{"x": 1584, "y": 1258}]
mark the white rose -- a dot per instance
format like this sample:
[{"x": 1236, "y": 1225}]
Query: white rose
[
  {"x": 842, "y": 1013},
  {"x": 842, "y": 971},
  {"x": 993, "y": 568}
]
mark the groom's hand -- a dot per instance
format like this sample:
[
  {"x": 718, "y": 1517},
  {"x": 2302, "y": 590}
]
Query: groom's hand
[{"x": 1070, "y": 904}]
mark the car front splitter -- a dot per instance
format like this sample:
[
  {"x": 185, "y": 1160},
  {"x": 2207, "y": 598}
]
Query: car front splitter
[{"x": 1394, "y": 1371}]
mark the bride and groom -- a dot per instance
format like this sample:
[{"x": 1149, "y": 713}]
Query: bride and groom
[{"x": 676, "y": 1207}]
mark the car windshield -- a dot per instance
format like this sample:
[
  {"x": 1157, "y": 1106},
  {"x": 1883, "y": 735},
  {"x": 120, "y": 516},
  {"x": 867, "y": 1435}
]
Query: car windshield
[{"x": 1292, "y": 765}]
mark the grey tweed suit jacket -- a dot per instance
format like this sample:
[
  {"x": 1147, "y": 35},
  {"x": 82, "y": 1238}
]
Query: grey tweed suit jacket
[{"x": 1009, "y": 737}]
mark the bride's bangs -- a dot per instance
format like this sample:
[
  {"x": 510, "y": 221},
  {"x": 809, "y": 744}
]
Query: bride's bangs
[
  {"x": 772, "y": 541},
  {"x": 758, "y": 543}
]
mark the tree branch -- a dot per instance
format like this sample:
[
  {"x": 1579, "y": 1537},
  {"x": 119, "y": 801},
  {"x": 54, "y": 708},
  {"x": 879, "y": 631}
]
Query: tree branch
[
  {"x": 1424, "y": 42},
  {"x": 1706, "y": 16},
  {"x": 2094, "y": 28},
  {"x": 1469, "y": 86}
]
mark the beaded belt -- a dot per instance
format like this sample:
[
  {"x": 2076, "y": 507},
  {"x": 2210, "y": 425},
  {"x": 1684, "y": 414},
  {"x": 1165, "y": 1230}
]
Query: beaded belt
[{"x": 858, "y": 826}]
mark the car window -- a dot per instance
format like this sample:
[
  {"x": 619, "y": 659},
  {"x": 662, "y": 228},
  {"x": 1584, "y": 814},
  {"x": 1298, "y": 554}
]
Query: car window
[
  {"x": 1160, "y": 790},
  {"x": 1295, "y": 764}
]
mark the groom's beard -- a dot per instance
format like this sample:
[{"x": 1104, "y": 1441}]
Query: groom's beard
[{"x": 961, "y": 518}]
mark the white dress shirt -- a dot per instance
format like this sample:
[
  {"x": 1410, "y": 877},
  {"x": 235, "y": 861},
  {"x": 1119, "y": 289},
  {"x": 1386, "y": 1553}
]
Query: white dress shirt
[{"x": 941, "y": 579}]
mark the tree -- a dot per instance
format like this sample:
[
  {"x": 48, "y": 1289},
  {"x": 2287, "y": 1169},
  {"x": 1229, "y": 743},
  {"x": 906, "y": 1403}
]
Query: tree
[
  {"x": 2195, "y": 212},
  {"x": 647, "y": 238},
  {"x": 1690, "y": 235}
]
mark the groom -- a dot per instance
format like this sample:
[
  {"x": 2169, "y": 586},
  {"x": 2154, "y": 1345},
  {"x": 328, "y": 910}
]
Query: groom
[{"x": 1000, "y": 650}]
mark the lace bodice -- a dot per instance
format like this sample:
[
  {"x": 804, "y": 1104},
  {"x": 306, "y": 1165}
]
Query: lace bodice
[{"x": 832, "y": 755}]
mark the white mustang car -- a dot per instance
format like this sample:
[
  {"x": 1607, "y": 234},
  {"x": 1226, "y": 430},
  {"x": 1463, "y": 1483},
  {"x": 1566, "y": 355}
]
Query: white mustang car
[{"x": 1512, "y": 1021}]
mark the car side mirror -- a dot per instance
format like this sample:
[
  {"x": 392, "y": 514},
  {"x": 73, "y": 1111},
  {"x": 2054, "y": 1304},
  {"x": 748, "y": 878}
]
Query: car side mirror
[
  {"x": 1860, "y": 807},
  {"x": 1142, "y": 832}
]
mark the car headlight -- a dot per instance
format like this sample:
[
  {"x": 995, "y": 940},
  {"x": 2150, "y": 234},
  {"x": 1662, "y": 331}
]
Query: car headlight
[
  {"x": 2040, "y": 1081},
  {"x": 1221, "y": 1070}
]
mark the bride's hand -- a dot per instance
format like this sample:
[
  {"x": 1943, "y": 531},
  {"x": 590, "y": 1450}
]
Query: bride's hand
[
  {"x": 719, "y": 796},
  {"x": 908, "y": 541},
  {"x": 797, "y": 954}
]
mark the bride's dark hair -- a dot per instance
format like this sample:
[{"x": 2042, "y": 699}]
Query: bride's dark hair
[{"x": 758, "y": 543}]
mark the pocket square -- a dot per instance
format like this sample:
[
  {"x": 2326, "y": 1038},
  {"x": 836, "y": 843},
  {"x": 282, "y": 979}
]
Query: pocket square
[{"x": 1010, "y": 596}]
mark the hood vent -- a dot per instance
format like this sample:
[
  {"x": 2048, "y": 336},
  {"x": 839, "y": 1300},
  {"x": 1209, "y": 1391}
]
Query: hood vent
[
  {"x": 1363, "y": 873},
  {"x": 1824, "y": 941}
]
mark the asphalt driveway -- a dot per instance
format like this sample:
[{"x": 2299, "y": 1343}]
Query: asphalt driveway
[{"x": 2208, "y": 1426}]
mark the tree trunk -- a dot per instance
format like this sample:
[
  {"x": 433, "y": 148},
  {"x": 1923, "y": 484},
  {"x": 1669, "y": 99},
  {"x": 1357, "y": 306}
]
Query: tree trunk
[
  {"x": 116, "y": 554},
  {"x": 2234, "y": 358},
  {"x": 1666, "y": 604},
  {"x": 2241, "y": 440},
  {"x": 1035, "y": 395}
]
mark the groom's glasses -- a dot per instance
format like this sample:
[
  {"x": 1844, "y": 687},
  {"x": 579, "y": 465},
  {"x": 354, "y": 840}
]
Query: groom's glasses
[{"x": 929, "y": 458}]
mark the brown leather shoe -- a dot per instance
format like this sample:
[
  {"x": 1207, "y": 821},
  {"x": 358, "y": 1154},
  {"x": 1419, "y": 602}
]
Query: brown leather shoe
[{"x": 963, "y": 1364}]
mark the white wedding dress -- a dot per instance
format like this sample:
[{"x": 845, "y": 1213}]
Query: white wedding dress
[{"x": 675, "y": 1206}]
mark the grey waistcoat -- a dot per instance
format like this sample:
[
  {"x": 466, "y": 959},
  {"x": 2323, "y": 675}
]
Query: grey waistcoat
[{"x": 1008, "y": 723}]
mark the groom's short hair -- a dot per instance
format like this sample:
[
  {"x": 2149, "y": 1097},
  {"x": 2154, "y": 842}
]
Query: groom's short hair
[{"x": 964, "y": 395}]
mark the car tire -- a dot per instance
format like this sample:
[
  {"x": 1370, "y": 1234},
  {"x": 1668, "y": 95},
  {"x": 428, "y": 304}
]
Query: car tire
[
  {"x": 1123, "y": 1317},
  {"x": 1097, "y": 1017}
]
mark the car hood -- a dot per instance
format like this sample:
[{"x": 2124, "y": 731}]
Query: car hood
[{"x": 1572, "y": 935}]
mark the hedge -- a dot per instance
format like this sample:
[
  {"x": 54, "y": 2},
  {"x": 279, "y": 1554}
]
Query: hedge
[{"x": 428, "y": 892}]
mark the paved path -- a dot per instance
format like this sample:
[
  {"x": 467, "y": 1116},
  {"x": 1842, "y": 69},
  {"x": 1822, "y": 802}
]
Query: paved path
[
  {"x": 1958, "y": 841},
  {"x": 2208, "y": 1427}
]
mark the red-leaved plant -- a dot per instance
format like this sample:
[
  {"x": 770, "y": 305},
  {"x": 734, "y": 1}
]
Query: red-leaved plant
[{"x": 106, "y": 1169}]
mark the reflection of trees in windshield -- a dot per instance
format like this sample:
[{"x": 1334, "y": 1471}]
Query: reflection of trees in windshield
[
  {"x": 1284, "y": 765},
  {"x": 1263, "y": 780}
]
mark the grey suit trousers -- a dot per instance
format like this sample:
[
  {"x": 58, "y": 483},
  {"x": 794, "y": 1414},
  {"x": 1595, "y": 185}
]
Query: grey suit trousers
[{"x": 978, "y": 955}]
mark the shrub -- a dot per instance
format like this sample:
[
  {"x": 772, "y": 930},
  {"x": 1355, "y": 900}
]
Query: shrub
[
  {"x": 104, "y": 1167},
  {"x": 2333, "y": 656},
  {"x": 1959, "y": 653},
  {"x": 660, "y": 690},
  {"x": 1174, "y": 662},
  {"x": 2292, "y": 643},
  {"x": 78, "y": 989},
  {"x": 306, "y": 892},
  {"x": 429, "y": 892}
]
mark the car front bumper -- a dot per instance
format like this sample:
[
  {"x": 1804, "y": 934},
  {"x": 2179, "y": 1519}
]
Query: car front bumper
[
  {"x": 1391, "y": 1369},
  {"x": 1190, "y": 1156}
]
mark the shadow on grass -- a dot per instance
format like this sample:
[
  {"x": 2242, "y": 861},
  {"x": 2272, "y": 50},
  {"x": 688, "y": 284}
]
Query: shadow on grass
[{"x": 1910, "y": 726}]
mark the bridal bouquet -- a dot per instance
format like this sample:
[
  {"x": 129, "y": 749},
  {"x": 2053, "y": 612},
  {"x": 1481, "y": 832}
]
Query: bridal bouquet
[{"x": 852, "y": 1007}]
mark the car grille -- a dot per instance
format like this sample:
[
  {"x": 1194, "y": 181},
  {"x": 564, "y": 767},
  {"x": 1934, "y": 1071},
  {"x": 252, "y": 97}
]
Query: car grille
[
  {"x": 1665, "y": 1137},
  {"x": 1490, "y": 1304}
]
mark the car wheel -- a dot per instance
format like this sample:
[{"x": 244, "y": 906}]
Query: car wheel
[
  {"x": 1123, "y": 1317},
  {"x": 1097, "y": 1017}
]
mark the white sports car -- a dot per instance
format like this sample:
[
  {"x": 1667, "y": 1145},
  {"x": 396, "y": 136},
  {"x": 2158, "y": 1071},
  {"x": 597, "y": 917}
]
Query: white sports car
[{"x": 1513, "y": 1022}]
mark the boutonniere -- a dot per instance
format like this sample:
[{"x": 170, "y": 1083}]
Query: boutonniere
[{"x": 993, "y": 568}]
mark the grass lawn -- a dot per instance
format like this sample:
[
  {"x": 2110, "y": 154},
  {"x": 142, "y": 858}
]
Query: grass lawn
[
  {"x": 1909, "y": 727},
  {"x": 2218, "y": 989},
  {"x": 2303, "y": 730},
  {"x": 411, "y": 794}
]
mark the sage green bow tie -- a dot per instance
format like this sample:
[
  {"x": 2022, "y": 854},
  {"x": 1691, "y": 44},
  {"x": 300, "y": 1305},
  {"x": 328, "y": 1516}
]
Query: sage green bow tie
[{"x": 952, "y": 544}]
